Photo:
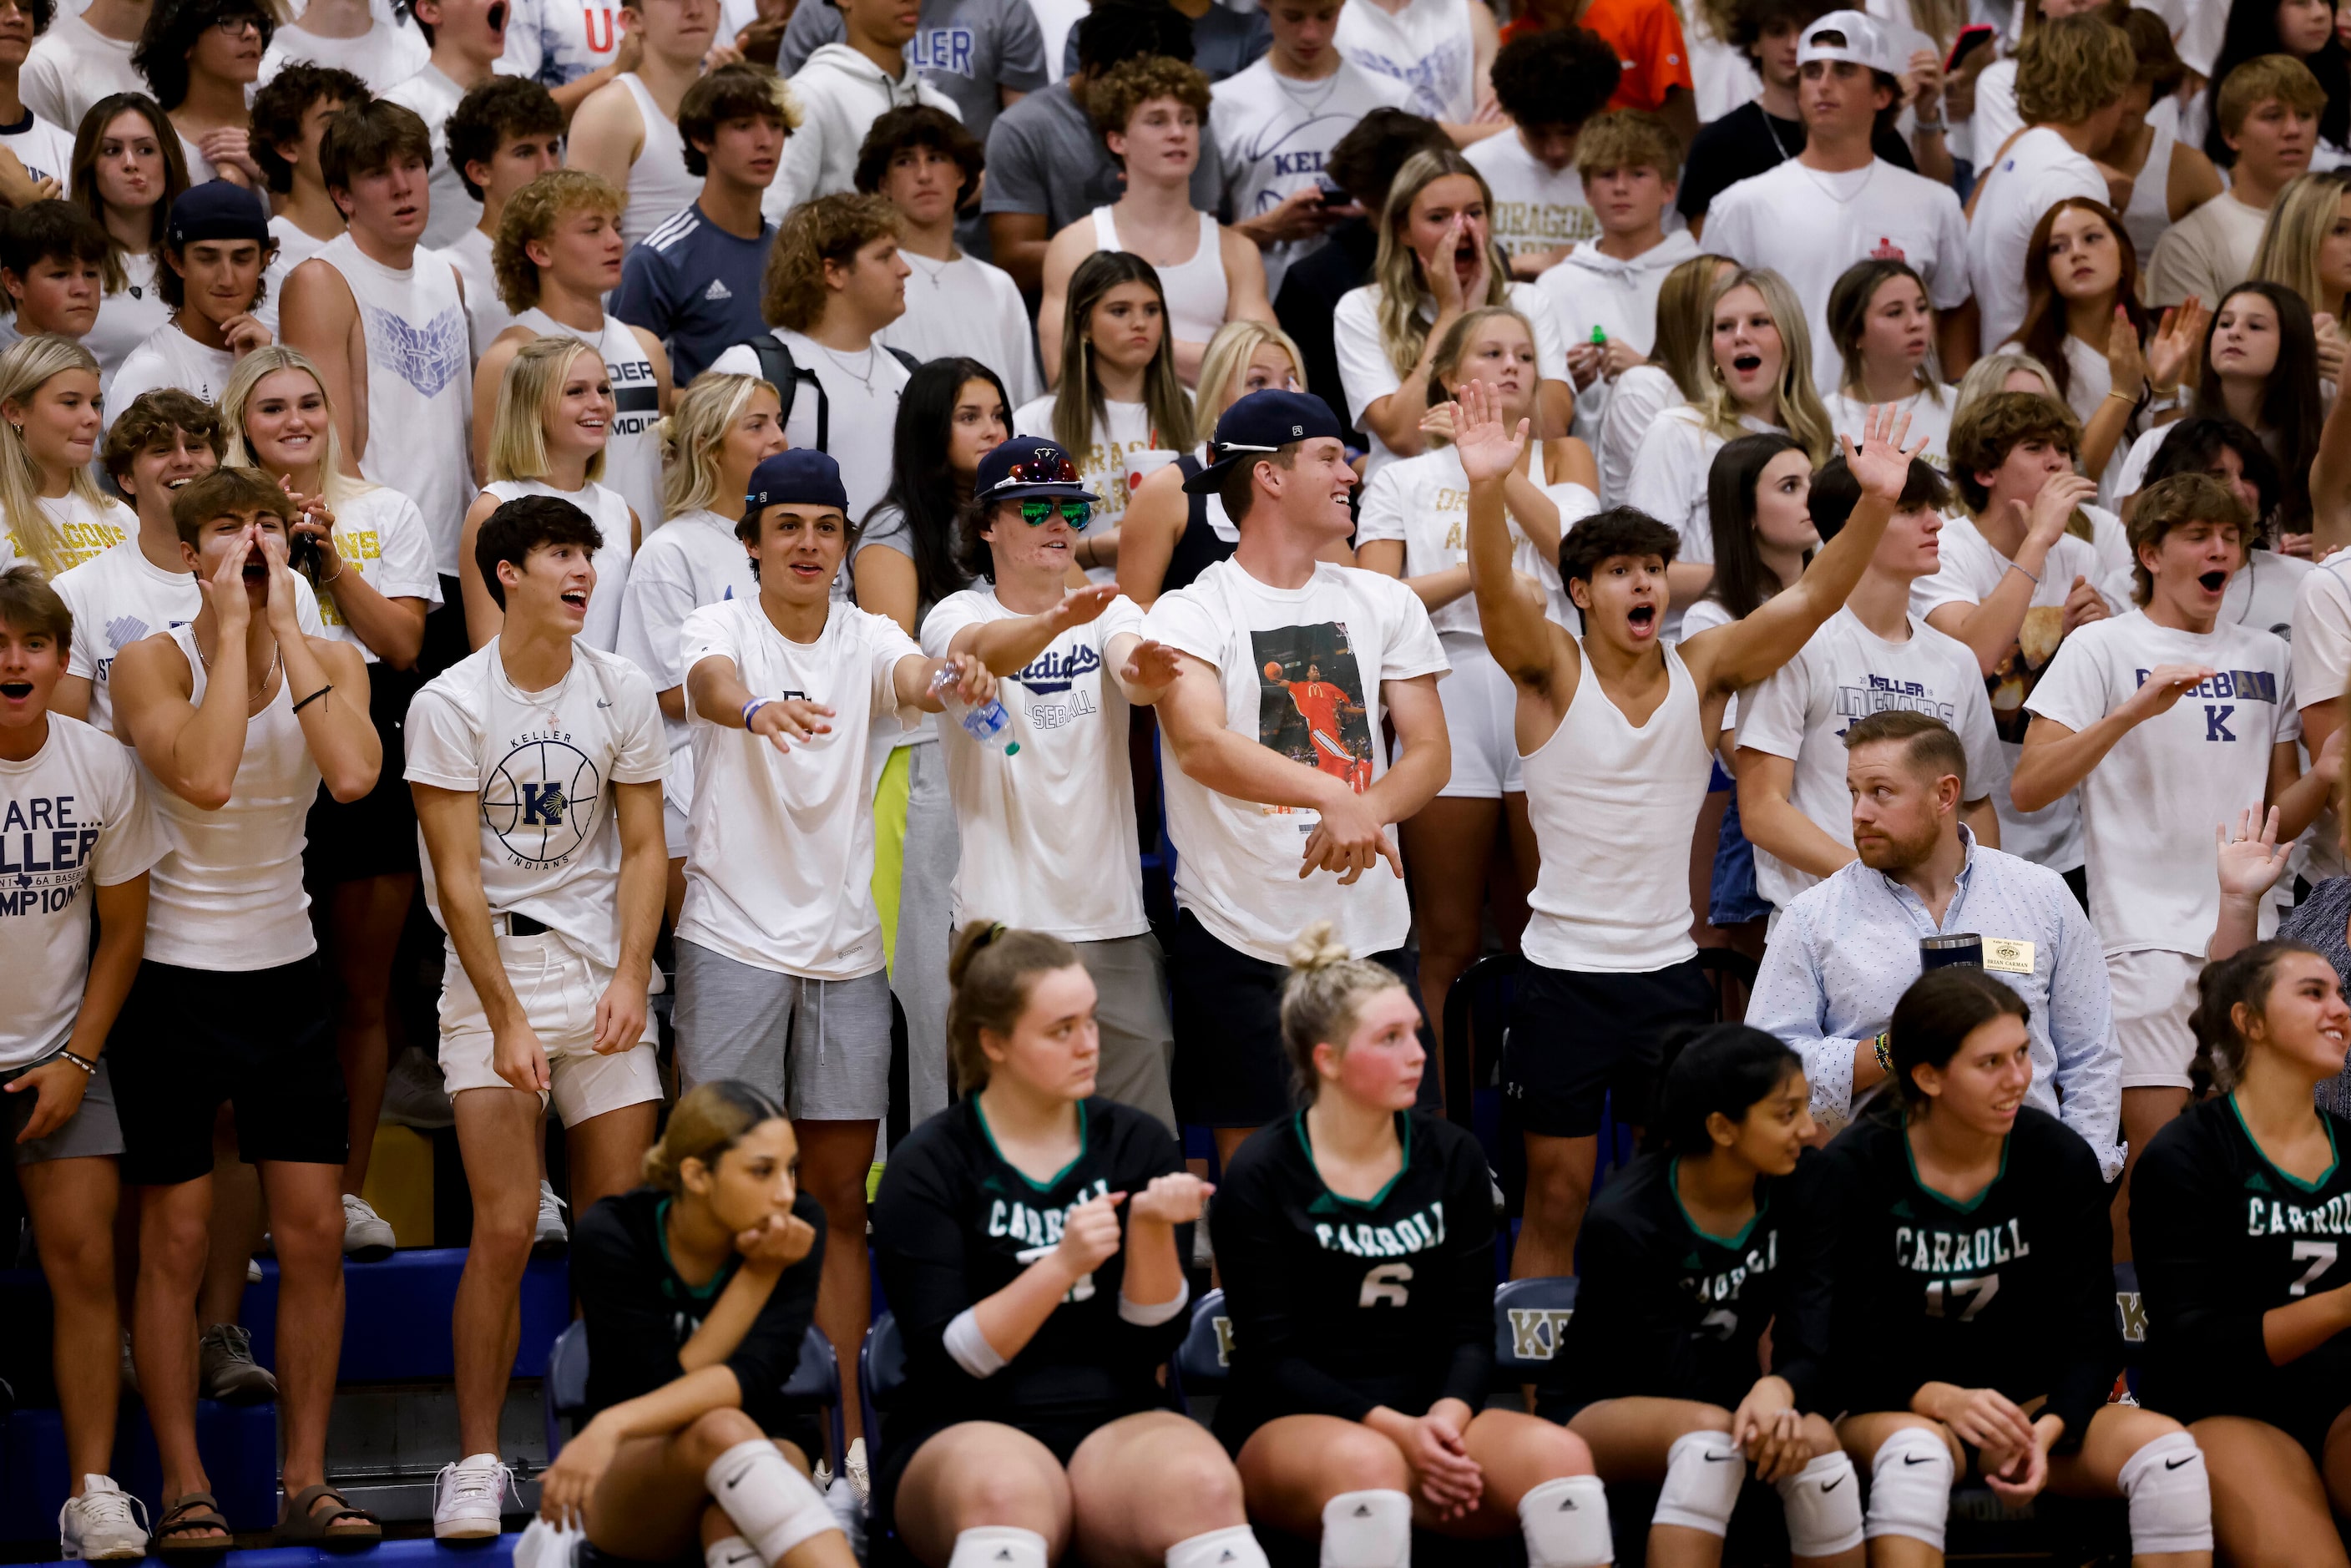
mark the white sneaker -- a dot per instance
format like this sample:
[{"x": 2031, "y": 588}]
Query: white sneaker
[
  {"x": 552, "y": 1237},
  {"x": 98, "y": 1526},
  {"x": 367, "y": 1236},
  {"x": 853, "y": 1469},
  {"x": 467, "y": 1496},
  {"x": 848, "y": 1510}
]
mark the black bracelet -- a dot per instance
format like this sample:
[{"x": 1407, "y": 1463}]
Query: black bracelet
[
  {"x": 88, "y": 1068},
  {"x": 314, "y": 696}
]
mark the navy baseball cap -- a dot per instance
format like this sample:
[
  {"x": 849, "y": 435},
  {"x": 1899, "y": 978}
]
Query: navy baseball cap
[
  {"x": 217, "y": 210},
  {"x": 800, "y": 477},
  {"x": 1026, "y": 467},
  {"x": 1260, "y": 423}
]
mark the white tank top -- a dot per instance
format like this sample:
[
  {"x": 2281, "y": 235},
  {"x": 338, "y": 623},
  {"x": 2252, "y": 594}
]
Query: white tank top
[
  {"x": 229, "y": 894},
  {"x": 2149, "y": 212},
  {"x": 1615, "y": 809},
  {"x": 659, "y": 187},
  {"x": 1195, "y": 290},
  {"x": 633, "y": 462},
  {"x": 611, "y": 515},
  {"x": 420, "y": 387}
]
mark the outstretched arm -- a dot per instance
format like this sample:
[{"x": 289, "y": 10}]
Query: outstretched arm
[{"x": 2056, "y": 758}]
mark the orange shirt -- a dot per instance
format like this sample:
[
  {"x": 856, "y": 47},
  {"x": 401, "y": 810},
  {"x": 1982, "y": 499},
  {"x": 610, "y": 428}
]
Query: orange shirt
[{"x": 1647, "y": 36}]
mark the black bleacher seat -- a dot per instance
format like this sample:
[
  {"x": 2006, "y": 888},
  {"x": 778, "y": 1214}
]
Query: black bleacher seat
[
  {"x": 1531, "y": 1319},
  {"x": 815, "y": 1385}
]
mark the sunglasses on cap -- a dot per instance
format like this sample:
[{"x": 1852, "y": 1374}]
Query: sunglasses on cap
[
  {"x": 1077, "y": 513},
  {"x": 1038, "y": 470}
]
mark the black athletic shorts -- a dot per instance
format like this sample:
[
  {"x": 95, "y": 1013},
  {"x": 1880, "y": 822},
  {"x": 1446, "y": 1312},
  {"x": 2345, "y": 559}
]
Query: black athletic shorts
[
  {"x": 1577, "y": 1035},
  {"x": 1230, "y": 1068},
  {"x": 188, "y": 1039},
  {"x": 374, "y": 836}
]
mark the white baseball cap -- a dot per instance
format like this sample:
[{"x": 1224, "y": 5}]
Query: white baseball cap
[{"x": 1863, "y": 42}]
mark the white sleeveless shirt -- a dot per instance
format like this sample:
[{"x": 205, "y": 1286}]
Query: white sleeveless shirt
[
  {"x": 420, "y": 402},
  {"x": 1614, "y": 809},
  {"x": 227, "y": 896},
  {"x": 633, "y": 462},
  {"x": 659, "y": 187},
  {"x": 1195, "y": 290},
  {"x": 610, "y": 516}
]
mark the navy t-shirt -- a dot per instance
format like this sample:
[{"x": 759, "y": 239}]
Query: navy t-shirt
[{"x": 695, "y": 287}]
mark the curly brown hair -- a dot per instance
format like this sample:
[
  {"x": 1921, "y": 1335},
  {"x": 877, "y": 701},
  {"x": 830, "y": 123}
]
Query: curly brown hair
[
  {"x": 829, "y": 229},
  {"x": 2069, "y": 68},
  {"x": 532, "y": 214},
  {"x": 1986, "y": 430},
  {"x": 1128, "y": 86}
]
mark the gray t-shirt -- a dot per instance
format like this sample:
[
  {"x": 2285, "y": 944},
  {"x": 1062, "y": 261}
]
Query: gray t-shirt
[
  {"x": 1225, "y": 42},
  {"x": 967, "y": 49},
  {"x": 1045, "y": 156}
]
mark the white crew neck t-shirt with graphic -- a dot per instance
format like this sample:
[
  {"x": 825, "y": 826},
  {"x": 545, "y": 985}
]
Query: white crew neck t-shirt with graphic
[
  {"x": 1302, "y": 671},
  {"x": 1537, "y": 210},
  {"x": 1274, "y": 133},
  {"x": 2149, "y": 806},
  {"x": 544, "y": 764},
  {"x": 169, "y": 359},
  {"x": 1425, "y": 45},
  {"x": 1424, "y": 502},
  {"x": 1048, "y": 832},
  {"x": 84, "y": 532},
  {"x": 861, "y": 396},
  {"x": 780, "y": 845},
  {"x": 557, "y": 42},
  {"x": 379, "y": 534},
  {"x": 45, "y": 150},
  {"x": 69, "y": 814}
]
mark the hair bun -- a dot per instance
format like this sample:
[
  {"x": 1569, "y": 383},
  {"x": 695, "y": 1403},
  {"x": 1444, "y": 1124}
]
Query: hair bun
[{"x": 1317, "y": 949}]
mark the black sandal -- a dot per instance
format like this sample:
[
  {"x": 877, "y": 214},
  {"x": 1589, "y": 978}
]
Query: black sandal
[
  {"x": 191, "y": 1510},
  {"x": 307, "y": 1525}
]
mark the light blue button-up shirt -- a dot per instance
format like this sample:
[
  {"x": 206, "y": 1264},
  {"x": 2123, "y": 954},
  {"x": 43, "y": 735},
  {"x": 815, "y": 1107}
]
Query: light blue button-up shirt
[{"x": 1846, "y": 950}]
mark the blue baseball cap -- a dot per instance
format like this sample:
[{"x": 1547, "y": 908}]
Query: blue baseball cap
[
  {"x": 216, "y": 210},
  {"x": 800, "y": 477},
  {"x": 1027, "y": 466},
  {"x": 1260, "y": 423}
]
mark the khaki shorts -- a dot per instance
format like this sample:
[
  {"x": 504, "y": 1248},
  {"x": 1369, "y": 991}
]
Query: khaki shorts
[
  {"x": 559, "y": 987},
  {"x": 2154, "y": 993}
]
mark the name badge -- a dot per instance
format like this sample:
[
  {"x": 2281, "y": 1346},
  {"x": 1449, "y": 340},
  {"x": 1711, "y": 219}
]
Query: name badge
[{"x": 2007, "y": 955}]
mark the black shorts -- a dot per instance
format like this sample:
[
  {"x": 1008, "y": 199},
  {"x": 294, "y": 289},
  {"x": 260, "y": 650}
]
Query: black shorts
[
  {"x": 446, "y": 641},
  {"x": 374, "y": 836},
  {"x": 1230, "y": 1068},
  {"x": 261, "y": 1039},
  {"x": 1577, "y": 1035}
]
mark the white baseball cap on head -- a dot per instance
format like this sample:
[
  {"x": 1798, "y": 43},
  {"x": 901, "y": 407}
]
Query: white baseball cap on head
[{"x": 1863, "y": 42}]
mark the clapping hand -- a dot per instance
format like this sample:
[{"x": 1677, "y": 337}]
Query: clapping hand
[{"x": 2178, "y": 339}]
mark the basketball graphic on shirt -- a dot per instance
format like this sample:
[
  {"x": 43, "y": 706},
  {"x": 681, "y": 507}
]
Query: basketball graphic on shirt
[
  {"x": 1311, "y": 701},
  {"x": 541, "y": 801}
]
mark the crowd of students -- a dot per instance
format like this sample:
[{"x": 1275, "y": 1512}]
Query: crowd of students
[{"x": 1848, "y": 486}]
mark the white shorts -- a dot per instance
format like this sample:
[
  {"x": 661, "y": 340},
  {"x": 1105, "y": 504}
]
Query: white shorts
[
  {"x": 1482, "y": 721},
  {"x": 2154, "y": 993},
  {"x": 559, "y": 987}
]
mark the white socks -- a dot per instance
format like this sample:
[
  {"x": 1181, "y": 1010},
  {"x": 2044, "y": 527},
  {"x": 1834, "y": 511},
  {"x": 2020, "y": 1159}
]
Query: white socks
[
  {"x": 998, "y": 1546},
  {"x": 1235, "y": 1546},
  {"x": 773, "y": 1506},
  {"x": 1366, "y": 1530}
]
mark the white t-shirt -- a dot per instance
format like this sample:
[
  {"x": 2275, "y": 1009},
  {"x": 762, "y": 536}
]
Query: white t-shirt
[
  {"x": 861, "y": 396},
  {"x": 543, "y": 764},
  {"x": 1425, "y": 45},
  {"x": 690, "y": 560},
  {"x": 1844, "y": 673},
  {"x": 84, "y": 532},
  {"x": 169, "y": 358},
  {"x": 68, "y": 813},
  {"x": 1424, "y": 502},
  {"x": 1635, "y": 403},
  {"x": 609, "y": 513},
  {"x": 1368, "y": 375},
  {"x": 2321, "y": 670},
  {"x": 555, "y": 42},
  {"x": 72, "y": 66},
  {"x": 1121, "y": 430},
  {"x": 382, "y": 57},
  {"x": 127, "y": 319},
  {"x": 1810, "y": 226},
  {"x": 118, "y": 596},
  {"x": 2149, "y": 808},
  {"x": 966, "y": 307},
  {"x": 451, "y": 209},
  {"x": 1930, "y": 421},
  {"x": 380, "y": 534},
  {"x": 46, "y": 151},
  {"x": 1049, "y": 838},
  {"x": 780, "y": 846},
  {"x": 1329, "y": 644},
  {"x": 1971, "y": 569},
  {"x": 1536, "y": 210},
  {"x": 1273, "y": 134},
  {"x": 2039, "y": 171}
]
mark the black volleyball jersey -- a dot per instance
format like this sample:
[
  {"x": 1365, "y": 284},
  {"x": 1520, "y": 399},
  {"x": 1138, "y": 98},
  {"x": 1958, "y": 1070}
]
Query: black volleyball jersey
[
  {"x": 1340, "y": 1306},
  {"x": 955, "y": 1222},
  {"x": 2221, "y": 1236},
  {"x": 1664, "y": 1309},
  {"x": 2013, "y": 1289}
]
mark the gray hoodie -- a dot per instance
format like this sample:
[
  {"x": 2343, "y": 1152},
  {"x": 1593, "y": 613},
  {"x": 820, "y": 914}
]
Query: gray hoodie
[
  {"x": 1587, "y": 290},
  {"x": 841, "y": 93}
]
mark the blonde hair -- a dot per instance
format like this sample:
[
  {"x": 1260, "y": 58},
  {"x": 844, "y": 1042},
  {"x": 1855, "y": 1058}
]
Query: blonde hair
[
  {"x": 1223, "y": 361},
  {"x": 1396, "y": 272},
  {"x": 270, "y": 358},
  {"x": 1794, "y": 400},
  {"x": 1456, "y": 343},
  {"x": 708, "y": 1120},
  {"x": 2304, "y": 213},
  {"x": 2070, "y": 68},
  {"x": 534, "y": 380},
  {"x": 692, "y": 436},
  {"x": 992, "y": 968},
  {"x": 531, "y": 214},
  {"x": 1990, "y": 375},
  {"x": 1322, "y": 998},
  {"x": 1684, "y": 323},
  {"x": 24, "y": 371}
]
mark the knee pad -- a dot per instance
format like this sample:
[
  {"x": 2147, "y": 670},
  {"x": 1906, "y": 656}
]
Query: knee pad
[
  {"x": 1822, "y": 1504},
  {"x": 1367, "y": 1530},
  {"x": 1235, "y": 1546},
  {"x": 1704, "y": 1472},
  {"x": 729, "y": 1551},
  {"x": 1565, "y": 1522},
  {"x": 2170, "y": 1497},
  {"x": 1911, "y": 1487},
  {"x": 772, "y": 1505},
  {"x": 998, "y": 1546}
]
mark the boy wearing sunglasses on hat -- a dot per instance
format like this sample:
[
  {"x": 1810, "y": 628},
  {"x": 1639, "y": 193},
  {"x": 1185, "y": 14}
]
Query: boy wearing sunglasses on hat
[{"x": 1048, "y": 833}]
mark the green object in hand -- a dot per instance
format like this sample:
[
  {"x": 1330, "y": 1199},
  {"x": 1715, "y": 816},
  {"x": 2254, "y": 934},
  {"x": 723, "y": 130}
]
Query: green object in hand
[{"x": 1599, "y": 338}]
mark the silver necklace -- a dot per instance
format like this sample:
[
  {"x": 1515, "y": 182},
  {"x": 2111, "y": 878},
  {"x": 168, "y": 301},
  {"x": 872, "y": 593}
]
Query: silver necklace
[
  {"x": 937, "y": 275},
  {"x": 253, "y": 694},
  {"x": 865, "y": 381}
]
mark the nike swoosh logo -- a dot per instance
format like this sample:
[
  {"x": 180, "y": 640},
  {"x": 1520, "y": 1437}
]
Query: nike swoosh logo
[
  {"x": 1725, "y": 1459},
  {"x": 2175, "y": 1464},
  {"x": 1907, "y": 1460},
  {"x": 1828, "y": 1486}
]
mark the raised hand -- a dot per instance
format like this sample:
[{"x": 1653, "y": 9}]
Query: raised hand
[
  {"x": 1082, "y": 605},
  {"x": 2178, "y": 339},
  {"x": 1151, "y": 666},
  {"x": 2249, "y": 863},
  {"x": 224, "y": 590},
  {"x": 1443, "y": 284},
  {"x": 1880, "y": 464},
  {"x": 2164, "y": 685},
  {"x": 2126, "y": 365},
  {"x": 1488, "y": 449}
]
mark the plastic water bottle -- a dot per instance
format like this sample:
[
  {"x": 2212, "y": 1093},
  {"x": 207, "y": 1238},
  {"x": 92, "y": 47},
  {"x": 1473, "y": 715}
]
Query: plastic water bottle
[{"x": 990, "y": 724}]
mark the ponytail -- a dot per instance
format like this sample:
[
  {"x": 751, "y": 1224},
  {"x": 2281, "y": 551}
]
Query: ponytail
[
  {"x": 2243, "y": 980},
  {"x": 709, "y": 1119},
  {"x": 992, "y": 967},
  {"x": 1322, "y": 998}
]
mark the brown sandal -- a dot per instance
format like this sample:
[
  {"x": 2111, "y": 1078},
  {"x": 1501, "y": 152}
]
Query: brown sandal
[
  {"x": 191, "y": 1510},
  {"x": 305, "y": 1525}
]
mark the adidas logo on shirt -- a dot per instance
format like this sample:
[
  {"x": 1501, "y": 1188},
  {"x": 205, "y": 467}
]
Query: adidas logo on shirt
[{"x": 718, "y": 290}]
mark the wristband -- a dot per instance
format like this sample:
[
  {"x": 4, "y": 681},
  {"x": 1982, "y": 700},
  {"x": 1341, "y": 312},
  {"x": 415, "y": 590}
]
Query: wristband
[
  {"x": 1884, "y": 1056},
  {"x": 2015, "y": 566},
  {"x": 88, "y": 1068},
  {"x": 1928, "y": 127},
  {"x": 314, "y": 696},
  {"x": 753, "y": 706}
]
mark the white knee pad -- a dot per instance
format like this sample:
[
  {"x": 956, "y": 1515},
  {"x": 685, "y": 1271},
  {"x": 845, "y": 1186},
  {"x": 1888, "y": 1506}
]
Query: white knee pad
[
  {"x": 1911, "y": 1487},
  {"x": 1822, "y": 1504},
  {"x": 2170, "y": 1497},
  {"x": 1565, "y": 1522},
  {"x": 998, "y": 1546},
  {"x": 1704, "y": 1472},
  {"x": 1367, "y": 1530},
  {"x": 773, "y": 1506},
  {"x": 729, "y": 1551},
  {"x": 1235, "y": 1546}
]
